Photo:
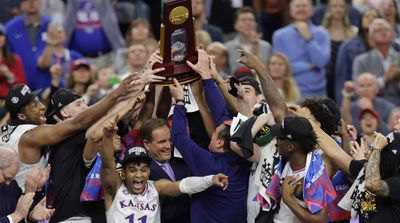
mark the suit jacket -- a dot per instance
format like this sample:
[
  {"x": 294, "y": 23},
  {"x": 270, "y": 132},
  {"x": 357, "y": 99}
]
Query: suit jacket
[
  {"x": 371, "y": 62},
  {"x": 173, "y": 209},
  {"x": 9, "y": 195}
]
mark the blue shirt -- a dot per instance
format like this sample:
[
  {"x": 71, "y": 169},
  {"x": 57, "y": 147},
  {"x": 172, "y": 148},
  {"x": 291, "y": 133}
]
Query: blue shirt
[
  {"x": 20, "y": 43},
  {"x": 302, "y": 54},
  {"x": 66, "y": 62},
  {"x": 89, "y": 37}
]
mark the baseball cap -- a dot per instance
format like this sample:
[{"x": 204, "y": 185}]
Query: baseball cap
[
  {"x": 135, "y": 153},
  {"x": 242, "y": 71},
  {"x": 80, "y": 62},
  {"x": 293, "y": 127},
  {"x": 19, "y": 96},
  {"x": 61, "y": 98},
  {"x": 373, "y": 112},
  {"x": 247, "y": 80}
]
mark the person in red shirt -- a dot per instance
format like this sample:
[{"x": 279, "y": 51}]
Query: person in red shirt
[{"x": 11, "y": 67}]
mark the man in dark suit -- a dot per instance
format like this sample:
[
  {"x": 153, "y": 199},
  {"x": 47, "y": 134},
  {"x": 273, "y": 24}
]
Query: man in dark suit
[
  {"x": 156, "y": 137},
  {"x": 14, "y": 206}
]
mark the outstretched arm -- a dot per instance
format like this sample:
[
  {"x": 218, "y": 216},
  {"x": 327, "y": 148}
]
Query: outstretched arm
[
  {"x": 108, "y": 174},
  {"x": 45, "y": 135},
  {"x": 208, "y": 122},
  {"x": 373, "y": 181},
  {"x": 190, "y": 185},
  {"x": 270, "y": 91},
  {"x": 213, "y": 96},
  {"x": 223, "y": 88},
  {"x": 332, "y": 151}
]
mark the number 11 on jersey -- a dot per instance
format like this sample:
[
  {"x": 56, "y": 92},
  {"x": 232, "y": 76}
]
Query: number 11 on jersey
[{"x": 139, "y": 220}]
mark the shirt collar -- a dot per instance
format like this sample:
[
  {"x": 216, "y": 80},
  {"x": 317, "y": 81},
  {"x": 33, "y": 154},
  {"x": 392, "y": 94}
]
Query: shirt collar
[
  {"x": 390, "y": 54},
  {"x": 35, "y": 24}
]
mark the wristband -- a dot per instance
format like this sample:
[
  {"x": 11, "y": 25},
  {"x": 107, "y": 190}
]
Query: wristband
[
  {"x": 374, "y": 148},
  {"x": 179, "y": 100},
  {"x": 346, "y": 94}
]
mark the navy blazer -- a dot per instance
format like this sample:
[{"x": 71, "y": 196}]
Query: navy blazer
[
  {"x": 174, "y": 209},
  {"x": 9, "y": 195}
]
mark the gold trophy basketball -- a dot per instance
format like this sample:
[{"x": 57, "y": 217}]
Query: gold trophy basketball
[{"x": 177, "y": 43}]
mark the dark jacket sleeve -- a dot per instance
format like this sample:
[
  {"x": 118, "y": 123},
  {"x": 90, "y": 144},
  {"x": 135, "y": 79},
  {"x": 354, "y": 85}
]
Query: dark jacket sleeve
[
  {"x": 215, "y": 102},
  {"x": 199, "y": 160},
  {"x": 4, "y": 220}
]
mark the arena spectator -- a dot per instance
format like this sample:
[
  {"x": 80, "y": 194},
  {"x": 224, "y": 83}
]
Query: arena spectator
[
  {"x": 337, "y": 23},
  {"x": 307, "y": 47},
  {"x": 11, "y": 67},
  {"x": 382, "y": 60},
  {"x": 366, "y": 89},
  {"x": 272, "y": 15},
  {"x": 139, "y": 32},
  {"x": 247, "y": 38},
  {"x": 92, "y": 33},
  {"x": 280, "y": 70},
  {"x": 200, "y": 21},
  {"x": 349, "y": 50},
  {"x": 25, "y": 37},
  {"x": 55, "y": 52},
  {"x": 128, "y": 10},
  {"x": 221, "y": 57}
]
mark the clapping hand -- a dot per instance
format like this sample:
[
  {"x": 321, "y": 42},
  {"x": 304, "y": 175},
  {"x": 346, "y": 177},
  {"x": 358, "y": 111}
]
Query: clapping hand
[
  {"x": 40, "y": 212},
  {"x": 36, "y": 179}
]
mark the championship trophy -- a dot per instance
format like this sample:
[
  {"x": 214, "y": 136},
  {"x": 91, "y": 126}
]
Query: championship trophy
[{"x": 177, "y": 43}]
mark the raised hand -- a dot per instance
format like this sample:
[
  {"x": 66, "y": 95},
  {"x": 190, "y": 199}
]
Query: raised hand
[
  {"x": 177, "y": 90},
  {"x": 40, "y": 212},
  {"x": 303, "y": 29},
  {"x": 300, "y": 111},
  {"x": 202, "y": 66},
  {"x": 359, "y": 152},
  {"x": 249, "y": 60},
  {"x": 129, "y": 85},
  {"x": 110, "y": 128},
  {"x": 148, "y": 76},
  {"x": 380, "y": 141},
  {"x": 220, "y": 180}
]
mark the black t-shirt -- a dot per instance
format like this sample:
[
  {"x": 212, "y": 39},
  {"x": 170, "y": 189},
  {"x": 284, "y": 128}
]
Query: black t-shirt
[
  {"x": 67, "y": 179},
  {"x": 379, "y": 209}
]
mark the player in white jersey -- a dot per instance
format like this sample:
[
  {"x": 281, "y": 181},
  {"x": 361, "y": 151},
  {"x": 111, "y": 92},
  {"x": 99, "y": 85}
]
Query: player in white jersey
[
  {"x": 27, "y": 131},
  {"x": 133, "y": 198}
]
